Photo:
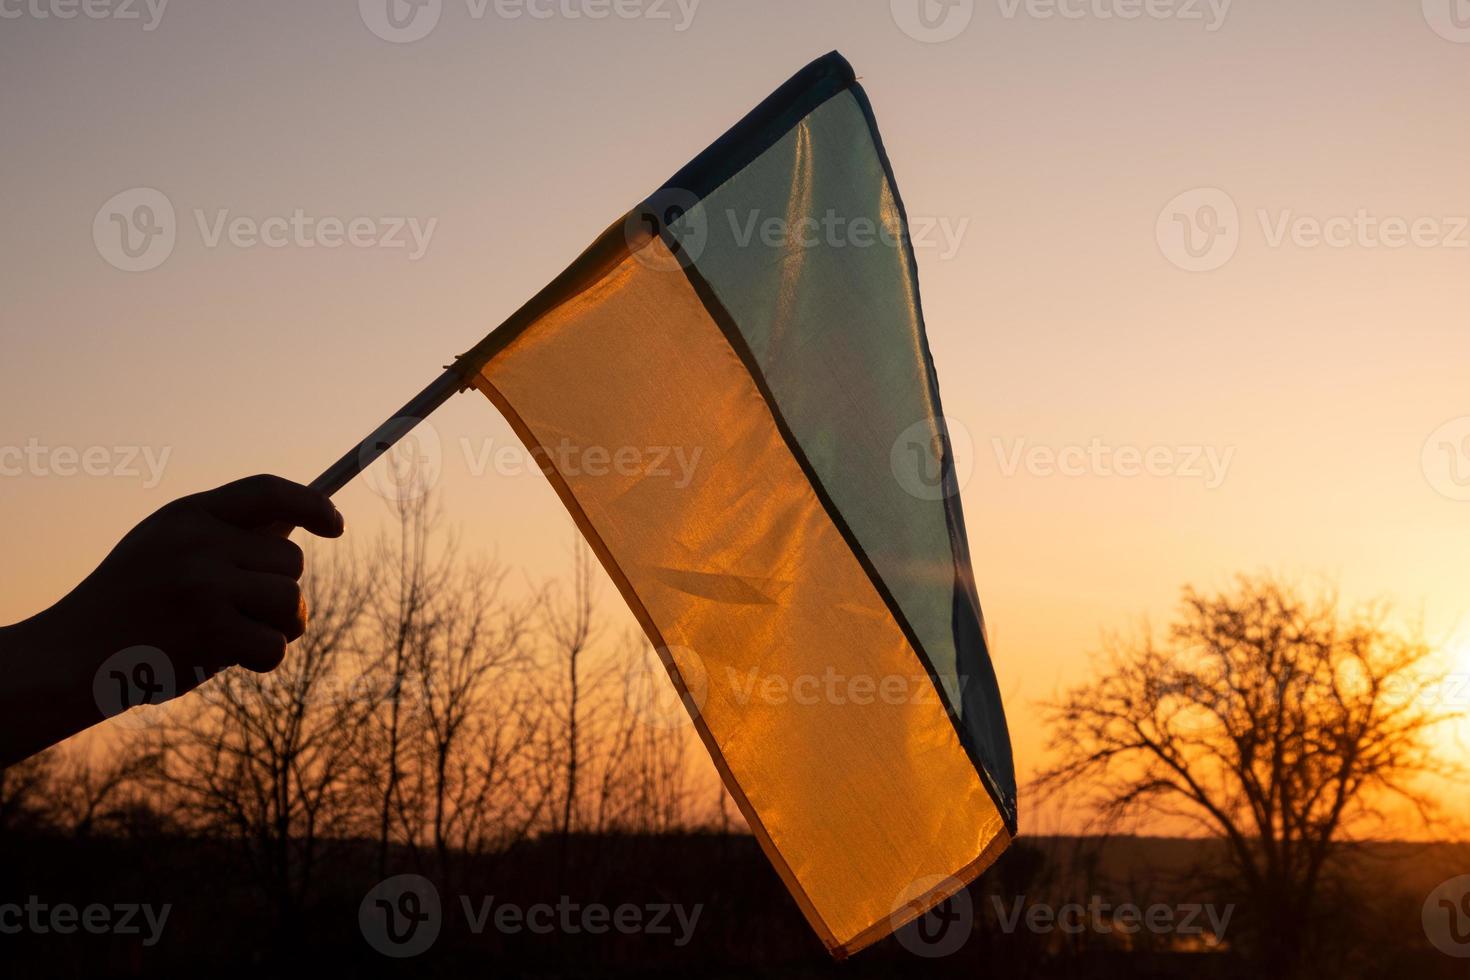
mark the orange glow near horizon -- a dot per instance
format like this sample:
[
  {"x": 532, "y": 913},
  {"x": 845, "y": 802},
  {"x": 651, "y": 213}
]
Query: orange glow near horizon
[{"x": 1456, "y": 734}]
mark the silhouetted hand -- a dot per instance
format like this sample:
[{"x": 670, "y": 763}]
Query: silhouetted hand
[{"x": 206, "y": 582}]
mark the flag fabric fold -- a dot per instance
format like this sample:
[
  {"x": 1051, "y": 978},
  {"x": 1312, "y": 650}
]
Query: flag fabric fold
[{"x": 807, "y": 583}]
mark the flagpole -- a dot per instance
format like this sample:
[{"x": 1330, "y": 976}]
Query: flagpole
[
  {"x": 610, "y": 247},
  {"x": 381, "y": 439}
]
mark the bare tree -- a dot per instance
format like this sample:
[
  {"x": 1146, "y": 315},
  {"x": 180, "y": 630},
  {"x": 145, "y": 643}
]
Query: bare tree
[
  {"x": 465, "y": 663},
  {"x": 1267, "y": 719},
  {"x": 91, "y": 791},
  {"x": 457, "y": 721},
  {"x": 500, "y": 798},
  {"x": 23, "y": 792},
  {"x": 409, "y": 571},
  {"x": 266, "y": 759},
  {"x": 569, "y": 624},
  {"x": 643, "y": 759},
  {"x": 89, "y": 786}
]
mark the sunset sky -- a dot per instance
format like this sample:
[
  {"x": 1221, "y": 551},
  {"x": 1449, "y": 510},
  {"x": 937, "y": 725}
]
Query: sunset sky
[{"x": 1306, "y": 404}]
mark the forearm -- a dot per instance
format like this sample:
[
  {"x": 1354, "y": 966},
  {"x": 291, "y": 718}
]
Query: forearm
[{"x": 47, "y": 691}]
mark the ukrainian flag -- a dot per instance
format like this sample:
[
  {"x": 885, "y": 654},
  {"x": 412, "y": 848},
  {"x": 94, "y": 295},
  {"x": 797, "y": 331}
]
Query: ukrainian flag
[{"x": 791, "y": 357}]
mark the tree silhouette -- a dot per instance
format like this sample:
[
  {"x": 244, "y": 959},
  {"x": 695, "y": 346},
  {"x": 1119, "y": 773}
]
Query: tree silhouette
[
  {"x": 267, "y": 760},
  {"x": 1270, "y": 720}
]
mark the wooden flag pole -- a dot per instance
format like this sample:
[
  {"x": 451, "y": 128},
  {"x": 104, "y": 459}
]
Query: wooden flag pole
[{"x": 384, "y": 436}]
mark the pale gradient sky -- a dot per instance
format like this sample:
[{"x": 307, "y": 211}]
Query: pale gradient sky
[{"x": 1055, "y": 142}]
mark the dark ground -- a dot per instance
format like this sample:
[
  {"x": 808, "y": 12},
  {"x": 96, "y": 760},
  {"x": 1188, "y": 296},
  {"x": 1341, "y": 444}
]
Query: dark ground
[{"x": 224, "y": 923}]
